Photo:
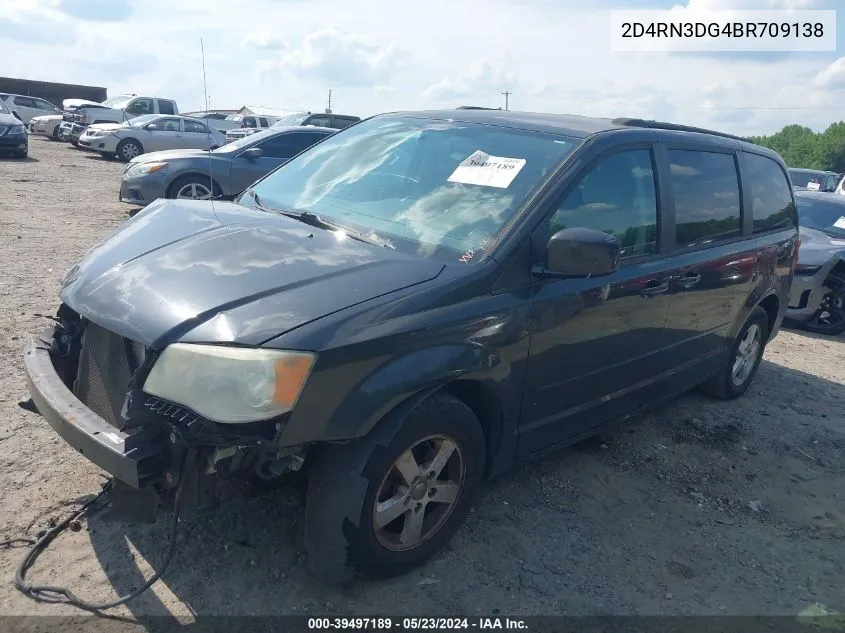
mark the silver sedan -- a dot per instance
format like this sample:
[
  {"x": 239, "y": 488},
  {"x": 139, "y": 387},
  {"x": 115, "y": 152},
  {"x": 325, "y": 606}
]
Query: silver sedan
[{"x": 149, "y": 133}]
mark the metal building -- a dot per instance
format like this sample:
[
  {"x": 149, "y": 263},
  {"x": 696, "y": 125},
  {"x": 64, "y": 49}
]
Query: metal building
[{"x": 52, "y": 92}]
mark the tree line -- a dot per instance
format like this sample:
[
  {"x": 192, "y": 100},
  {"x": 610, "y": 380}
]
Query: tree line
[{"x": 803, "y": 148}]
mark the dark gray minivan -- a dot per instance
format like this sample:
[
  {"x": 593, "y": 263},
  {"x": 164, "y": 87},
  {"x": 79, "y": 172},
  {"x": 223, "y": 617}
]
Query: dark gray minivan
[{"x": 411, "y": 305}]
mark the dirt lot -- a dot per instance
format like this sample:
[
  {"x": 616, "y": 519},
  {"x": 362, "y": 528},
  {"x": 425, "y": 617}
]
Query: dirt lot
[{"x": 702, "y": 507}]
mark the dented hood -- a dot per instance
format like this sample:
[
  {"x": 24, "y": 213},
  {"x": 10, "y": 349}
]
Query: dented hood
[{"x": 220, "y": 272}]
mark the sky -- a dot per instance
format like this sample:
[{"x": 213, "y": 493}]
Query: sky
[{"x": 380, "y": 56}]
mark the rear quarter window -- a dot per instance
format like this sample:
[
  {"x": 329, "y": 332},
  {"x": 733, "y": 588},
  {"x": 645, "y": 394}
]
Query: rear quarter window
[
  {"x": 707, "y": 199},
  {"x": 772, "y": 206}
]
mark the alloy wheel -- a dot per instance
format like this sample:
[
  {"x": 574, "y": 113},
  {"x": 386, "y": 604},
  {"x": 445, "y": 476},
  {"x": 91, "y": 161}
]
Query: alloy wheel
[
  {"x": 746, "y": 354},
  {"x": 418, "y": 493},
  {"x": 831, "y": 312},
  {"x": 130, "y": 151},
  {"x": 193, "y": 191}
]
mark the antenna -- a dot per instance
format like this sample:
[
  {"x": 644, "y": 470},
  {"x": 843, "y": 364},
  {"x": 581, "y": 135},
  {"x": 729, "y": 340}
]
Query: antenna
[
  {"x": 204, "y": 83},
  {"x": 329, "y": 108}
]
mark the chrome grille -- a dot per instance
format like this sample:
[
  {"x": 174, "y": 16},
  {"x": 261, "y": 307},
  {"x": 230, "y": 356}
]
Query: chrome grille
[{"x": 104, "y": 373}]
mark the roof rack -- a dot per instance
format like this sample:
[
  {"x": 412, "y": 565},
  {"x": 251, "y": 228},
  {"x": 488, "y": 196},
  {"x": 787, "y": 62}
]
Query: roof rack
[{"x": 658, "y": 125}]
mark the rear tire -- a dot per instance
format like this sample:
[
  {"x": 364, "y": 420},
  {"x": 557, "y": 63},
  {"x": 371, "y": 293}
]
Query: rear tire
[
  {"x": 829, "y": 319},
  {"x": 743, "y": 360},
  {"x": 374, "y": 506},
  {"x": 128, "y": 149},
  {"x": 55, "y": 135}
]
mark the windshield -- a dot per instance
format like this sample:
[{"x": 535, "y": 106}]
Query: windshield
[
  {"x": 438, "y": 188},
  {"x": 117, "y": 102},
  {"x": 823, "y": 215},
  {"x": 293, "y": 119},
  {"x": 3, "y": 108},
  {"x": 244, "y": 141},
  {"x": 142, "y": 120}
]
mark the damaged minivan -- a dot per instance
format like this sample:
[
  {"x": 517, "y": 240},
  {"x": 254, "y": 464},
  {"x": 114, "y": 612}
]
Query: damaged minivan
[{"x": 411, "y": 306}]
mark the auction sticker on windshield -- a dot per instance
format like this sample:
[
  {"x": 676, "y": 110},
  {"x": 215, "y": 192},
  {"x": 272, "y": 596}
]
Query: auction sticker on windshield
[
  {"x": 487, "y": 171},
  {"x": 840, "y": 223}
]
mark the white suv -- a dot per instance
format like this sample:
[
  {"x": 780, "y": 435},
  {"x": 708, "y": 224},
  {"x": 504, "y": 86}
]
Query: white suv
[{"x": 28, "y": 107}]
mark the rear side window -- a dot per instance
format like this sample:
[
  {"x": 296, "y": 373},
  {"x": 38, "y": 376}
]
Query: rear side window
[
  {"x": 195, "y": 127},
  {"x": 165, "y": 107},
  {"x": 289, "y": 145},
  {"x": 771, "y": 194},
  {"x": 263, "y": 121},
  {"x": 707, "y": 200},
  {"x": 618, "y": 197}
]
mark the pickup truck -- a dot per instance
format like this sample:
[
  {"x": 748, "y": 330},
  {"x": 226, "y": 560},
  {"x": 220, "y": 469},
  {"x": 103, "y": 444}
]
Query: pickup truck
[{"x": 115, "y": 110}]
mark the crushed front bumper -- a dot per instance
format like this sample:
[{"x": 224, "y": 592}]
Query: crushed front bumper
[{"x": 131, "y": 456}]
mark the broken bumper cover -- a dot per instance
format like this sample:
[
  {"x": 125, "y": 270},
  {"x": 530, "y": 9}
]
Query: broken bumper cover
[{"x": 128, "y": 455}]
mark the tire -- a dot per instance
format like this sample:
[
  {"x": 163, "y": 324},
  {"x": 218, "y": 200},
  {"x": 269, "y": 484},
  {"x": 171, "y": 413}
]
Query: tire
[
  {"x": 21, "y": 154},
  {"x": 185, "y": 186},
  {"x": 74, "y": 143},
  {"x": 55, "y": 134},
  {"x": 727, "y": 385},
  {"x": 830, "y": 316},
  {"x": 128, "y": 149},
  {"x": 347, "y": 480}
]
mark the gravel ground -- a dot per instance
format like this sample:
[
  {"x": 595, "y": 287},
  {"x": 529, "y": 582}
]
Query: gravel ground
[{"x": 701, "y": 507}]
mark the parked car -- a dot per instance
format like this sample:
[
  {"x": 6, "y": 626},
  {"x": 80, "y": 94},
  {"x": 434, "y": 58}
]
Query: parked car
[
  {"x": 149, "y": 133},
  {"x": 813, "y": 179},
  {"x": 337, "y": 121},
  {"x": 244, "y": 125},
  {"x": 412, "y": 305},
  {"x": 28, "y": 107},
  {"x": 46, "y": 125},
  {"x": 223, "y": 172},
  {"x": 117, "y": 109},
  {"x": 13, "y": 137},
  {"x": 817, "y": 301},
  {"x": 219, "y": 120}
]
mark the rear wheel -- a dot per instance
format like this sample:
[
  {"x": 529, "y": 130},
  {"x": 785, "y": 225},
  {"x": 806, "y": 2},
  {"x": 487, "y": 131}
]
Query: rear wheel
[
  {"x": 744, "y": 359},
  {"x": 830, "y": 316},
  {"x": 55, "y": 135},
  {"x": 387, "y": 503},
  {"x": 128, "y": 149}
]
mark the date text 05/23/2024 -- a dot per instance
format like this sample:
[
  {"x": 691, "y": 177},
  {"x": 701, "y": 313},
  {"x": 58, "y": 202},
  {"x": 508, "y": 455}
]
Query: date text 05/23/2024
[{"x": 417, "y": 624}]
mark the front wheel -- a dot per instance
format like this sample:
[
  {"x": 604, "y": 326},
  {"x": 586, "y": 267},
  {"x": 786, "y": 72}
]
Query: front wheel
[
  {"x": 385, "y": 504},
  {"x": 55, "y": 135},
  {"x": 128, "y": 149},
  {"x": 744, "y": 359},
  {"x": 192, "y": 188},
  {"x": 830, "y": 316}
]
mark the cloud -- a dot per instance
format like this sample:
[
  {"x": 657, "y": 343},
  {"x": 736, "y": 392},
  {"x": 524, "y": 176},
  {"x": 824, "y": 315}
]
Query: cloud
[
  {"x": 44, "y": 34},
  {"x": 483, "y": 81},
  {"x": 833, "y": 76},
  {"x": 263, "y": 40},
  {"x": 342, "y": 58},
  {"x": 97, "y": 10}
]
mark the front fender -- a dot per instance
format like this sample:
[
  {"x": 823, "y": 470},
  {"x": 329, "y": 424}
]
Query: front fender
[{"x": 403, "y": 380}]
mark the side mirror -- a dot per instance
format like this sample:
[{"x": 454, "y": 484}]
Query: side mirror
[
  {"x": 153, "y": 127},
  {"x": 579, "y": 252},
  {"x": 16, "y": 115},
  {"x": 253, "y": 152}
]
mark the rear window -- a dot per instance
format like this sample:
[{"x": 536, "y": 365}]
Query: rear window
[
  {"x": 707, "y": 199},
  {"x": 771, "y": 194}
]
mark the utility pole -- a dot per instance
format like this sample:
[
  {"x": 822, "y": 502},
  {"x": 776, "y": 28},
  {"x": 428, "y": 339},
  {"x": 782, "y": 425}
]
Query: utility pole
[
  {"x": 329, "y": 108},
  {"x": 507, "y": 94}
]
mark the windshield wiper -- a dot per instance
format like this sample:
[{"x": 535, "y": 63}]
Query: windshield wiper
[{"x": 312, "y": 219}]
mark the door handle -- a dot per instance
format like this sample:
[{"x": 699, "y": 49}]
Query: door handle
[
  {"x": 689, "y": 280},
  {"x": 655, "y": 287}
]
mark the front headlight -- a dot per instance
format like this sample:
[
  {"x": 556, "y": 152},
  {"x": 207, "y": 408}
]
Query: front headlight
[
  {"x": 16, "y": 130},
  {"x": 230, "y": 384},
  {"x": 139, "y": 169}
]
